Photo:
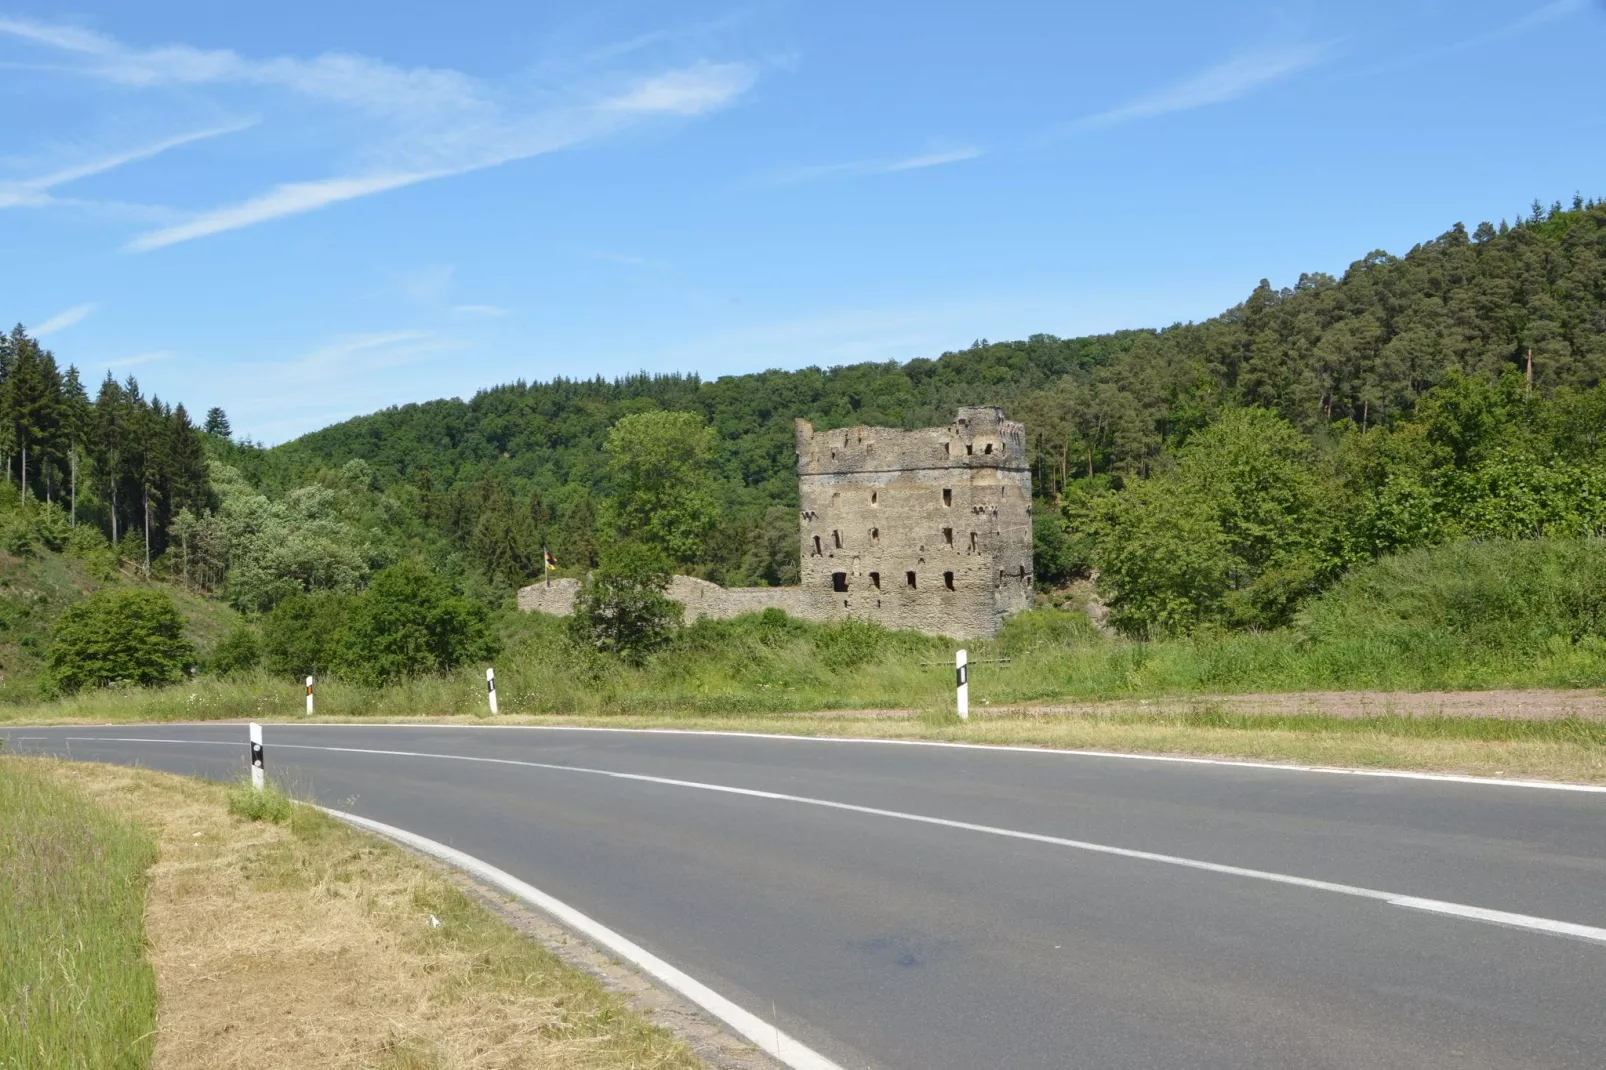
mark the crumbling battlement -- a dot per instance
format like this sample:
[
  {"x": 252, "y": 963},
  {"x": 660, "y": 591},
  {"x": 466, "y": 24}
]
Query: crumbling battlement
[{"x": 928, "y": 529}]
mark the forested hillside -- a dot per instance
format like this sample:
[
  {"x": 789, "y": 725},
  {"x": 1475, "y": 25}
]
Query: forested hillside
[
  {"x": 1333, "y": 357},
  {"x": 129, "y": 465}
]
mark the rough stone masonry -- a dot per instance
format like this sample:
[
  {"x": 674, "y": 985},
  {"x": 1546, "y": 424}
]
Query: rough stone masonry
[{"x": 928, "y": 529}]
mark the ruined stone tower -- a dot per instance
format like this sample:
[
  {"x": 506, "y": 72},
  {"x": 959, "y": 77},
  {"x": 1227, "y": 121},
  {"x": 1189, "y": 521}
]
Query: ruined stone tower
[{"x": 928, "y": 529}]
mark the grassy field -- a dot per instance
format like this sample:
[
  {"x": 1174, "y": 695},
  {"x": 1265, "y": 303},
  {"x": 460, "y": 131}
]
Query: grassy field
[
  {"x": 296, "y": 942},
  {"x": 76, "y": 991}
]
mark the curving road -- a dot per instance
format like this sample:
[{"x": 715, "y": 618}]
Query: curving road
[{"x": 947, "y": 907}]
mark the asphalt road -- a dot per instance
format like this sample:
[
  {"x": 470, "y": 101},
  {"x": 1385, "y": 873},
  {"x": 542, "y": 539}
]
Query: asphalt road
[{"x": 1002, "y": 930}]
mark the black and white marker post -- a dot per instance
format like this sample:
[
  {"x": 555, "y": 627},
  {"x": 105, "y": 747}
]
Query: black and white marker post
[
  {"x": 257, "y": 773},
  {"x": 962, "y": 678},
  {"x": 309, "y": 696},
  {"x": 490, "y": 687}
]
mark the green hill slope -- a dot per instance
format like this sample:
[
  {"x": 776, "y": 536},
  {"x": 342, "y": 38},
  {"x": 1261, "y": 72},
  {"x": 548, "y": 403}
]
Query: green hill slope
[
  {"x": 35, "y": 587},
  {"x": 1327, "y": 353}
]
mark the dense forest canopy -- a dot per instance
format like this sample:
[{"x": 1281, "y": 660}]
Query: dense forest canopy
[
  {"x": 1329, "y": 355},
  {"x": 1454, "y": 390}
]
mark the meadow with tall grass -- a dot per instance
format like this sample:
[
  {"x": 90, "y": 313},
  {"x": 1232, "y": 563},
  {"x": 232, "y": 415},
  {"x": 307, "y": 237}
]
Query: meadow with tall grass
[{"x": 76, "y": 991}]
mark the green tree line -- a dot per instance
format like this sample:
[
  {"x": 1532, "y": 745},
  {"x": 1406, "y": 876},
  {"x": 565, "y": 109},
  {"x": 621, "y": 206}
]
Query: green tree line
[
  {"x": 525, "y": 465},
  {"x": 124, "y": 462}
]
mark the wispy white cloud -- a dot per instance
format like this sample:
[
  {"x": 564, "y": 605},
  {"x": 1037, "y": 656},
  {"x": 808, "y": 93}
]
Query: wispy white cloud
[
  {"x": 34, "y": 192},
  {"x": 874, "y": 167},
  {"x": 480, "y": 310},
  {"x": 143, "y": 358},
  {"x": 1533, "y": 20},
  {"x": 703, "y": 87},
  {"x": 1552, "y": 12},
  {"x": 418, "y": 123},
  {"x": 1236, "y": 78},
  {"x": 291, "y": 198},
  {"x": 375, "y": 349},
  {"x": 62, "y": 320}
]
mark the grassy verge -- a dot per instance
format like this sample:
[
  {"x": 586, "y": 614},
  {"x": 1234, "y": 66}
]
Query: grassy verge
[
  {"x": 300, "y": 942},
  {"x": 76, "y": 991}
]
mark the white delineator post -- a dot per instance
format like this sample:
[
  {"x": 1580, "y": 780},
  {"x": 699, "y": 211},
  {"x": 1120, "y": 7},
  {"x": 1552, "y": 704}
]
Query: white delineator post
[
  {"x": 256, "y": 757},
  {"x": 309, "y": 696},
  {"x": 962, "y": 678},
  {"x": 490, "y": 687}
]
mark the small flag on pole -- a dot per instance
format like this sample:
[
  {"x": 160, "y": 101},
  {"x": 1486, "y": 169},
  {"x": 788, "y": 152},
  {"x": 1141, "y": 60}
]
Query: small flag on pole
[{"x": 551, "y": 562}]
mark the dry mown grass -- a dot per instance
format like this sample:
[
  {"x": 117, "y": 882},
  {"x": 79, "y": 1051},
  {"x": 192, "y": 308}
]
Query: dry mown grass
[{"x": 310, "y": 944}]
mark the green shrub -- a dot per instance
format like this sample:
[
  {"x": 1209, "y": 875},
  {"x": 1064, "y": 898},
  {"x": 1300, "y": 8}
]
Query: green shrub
[
  {"x": 18, "y": 536},
  {"x": 1502, "y": 595},
  {"x": 409, "y": 622},
  {"x": 621, "y": 609},
  {"x": 301, "y": 635},
  {"x": 239, "y": 651},
  {"x": 50, "y": 526},
  {"x": 131, "y": 635},
  {"x": 849, "y": 643},
  {"x": 87, "y": 544}
]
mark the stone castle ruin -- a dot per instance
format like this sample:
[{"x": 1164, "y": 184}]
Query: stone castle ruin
[{"x": 928, "y": 529}]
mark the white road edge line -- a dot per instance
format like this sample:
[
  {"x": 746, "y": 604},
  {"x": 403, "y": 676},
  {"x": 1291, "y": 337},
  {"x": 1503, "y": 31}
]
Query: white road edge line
[
  {"x": 765, "y": 1036},
  {"x": 1494, "y": 917},
  {"x": 1174, "y": 759}
]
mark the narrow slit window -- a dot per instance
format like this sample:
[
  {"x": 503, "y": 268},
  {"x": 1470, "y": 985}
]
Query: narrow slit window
[
  {"x": 969, "y": 449},
  {"x": 836, "y": 498},
  {"x": 948, "y": 496},
  {"x": 875, "y": 580},
  {"x": 1022, "y": 574},
  {"x": 948, "y": 580},
  {"x": 910, "y": 576},
  {"x": 816, "y": 546},
  {"x": 948, "y": 536},
  {"x": 839, "y": 582},
  {"x": 973, "y": 542},
  {"x": 947, "y": 450},
  {"x": 836, "y": 538},
  {"x": 874, "y": 496},
  {"x": 1000, "y": 577},
  {"x": 875, "y": 536},
  {"x": 988, "y": 448}
]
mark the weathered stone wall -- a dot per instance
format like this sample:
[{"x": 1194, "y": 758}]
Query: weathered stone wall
[
  {"x": 928, "y": 529},
  {"x": 701, "y": 598},
  {"x": 555, "y": 597}
]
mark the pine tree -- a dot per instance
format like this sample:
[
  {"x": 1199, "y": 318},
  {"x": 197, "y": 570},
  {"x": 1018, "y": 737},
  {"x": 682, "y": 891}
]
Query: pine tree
[
  {"x": 77, "y": 426},
  {"x": 217, "y": 423},
  {"x": 111, "y": 427}
]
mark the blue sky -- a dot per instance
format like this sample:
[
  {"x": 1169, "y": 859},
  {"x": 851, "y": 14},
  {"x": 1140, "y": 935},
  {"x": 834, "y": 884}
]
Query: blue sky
[{"x": 304, "y": 211}]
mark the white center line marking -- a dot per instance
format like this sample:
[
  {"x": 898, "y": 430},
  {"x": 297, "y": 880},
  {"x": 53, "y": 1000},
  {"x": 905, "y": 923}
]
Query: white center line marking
[
  {"x": 1458, "y": 910},
  {"x": 1530, "y": 922}
]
